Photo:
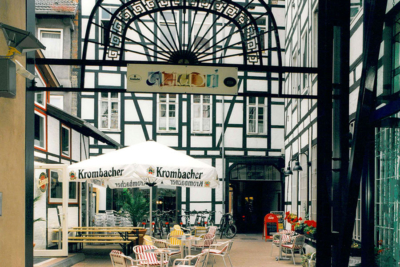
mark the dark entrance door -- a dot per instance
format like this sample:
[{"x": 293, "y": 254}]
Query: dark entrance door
[{"x": 252, "y": 200}]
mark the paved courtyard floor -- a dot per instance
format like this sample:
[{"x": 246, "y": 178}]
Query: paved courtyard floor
[{"x": 247, "y": 251}]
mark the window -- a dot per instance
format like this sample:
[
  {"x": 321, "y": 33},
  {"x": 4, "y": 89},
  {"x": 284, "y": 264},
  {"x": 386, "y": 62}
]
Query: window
[
  {"x": 201, "y": 34},
  {"x": 168, "y": 34},
  {"x": 167, "y": 112},
  {"x": 52, "y": 40},
  {"x": 201, "y": 113},
  {"x": 257, "y": 115},
  {"x": 109, "y": 111},
  {"x": 40, "y": 99},
  {"x": 56, "y": 187},
  {"x": 40, "y": 130},
  {"x": 65, "y": 141},
  {"x": 57, "y": 101},
  {"x": 355, "y": 6},
  {"x": 105, "y": 22}
]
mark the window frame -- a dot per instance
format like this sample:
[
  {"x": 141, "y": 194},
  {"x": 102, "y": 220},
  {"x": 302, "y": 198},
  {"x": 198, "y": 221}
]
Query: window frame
[
  {"x": 63, "y": 126},
  {"x": 201, "y": 104},
  {"x": 61, "y": 31},
  {"x": 168, "y": 103},
  {"x": 44, "y": 116},
  {"x": 40, "y": 77},
  {"x": 56, "y": 200},
  {"x": 110, "y": 101},
  {"x": 257, "y": 106}
]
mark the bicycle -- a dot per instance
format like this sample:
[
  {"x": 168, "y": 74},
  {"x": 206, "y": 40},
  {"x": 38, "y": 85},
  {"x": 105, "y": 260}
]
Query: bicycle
[
  {"x": 166, "y": 218},
  {"x": 210, "y": 219},
  {"x": 185, "y": 226},
  {"x": 157, "y": 224},
  {"x": 227, "y": 226}
]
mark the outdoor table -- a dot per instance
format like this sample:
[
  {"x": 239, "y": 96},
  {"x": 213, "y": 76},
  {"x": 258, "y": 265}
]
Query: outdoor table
[
  {"x": 280, "y": 257},
  {"x": 188, "y": 240},
  {"x": 161, "y": 252},
  {"x": 122, "y": 231}
]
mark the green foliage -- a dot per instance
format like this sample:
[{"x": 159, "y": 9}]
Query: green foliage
[
  {"x": 135, "y": 205},
  {"x": 305, "y": 259},
  {"x": 384, "y": 255}
]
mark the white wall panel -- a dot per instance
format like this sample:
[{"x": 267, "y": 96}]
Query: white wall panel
[
  {"x": 110, "y": 79},
  {"x": 133, "y": 134},
  {"x": 87, "y": 108},
  {"x": 201, "y": 141},
  {"x": 356, "y": 44},
  {"x": 233, "y": 137},
  {"x": 89, "y": 80},
  {"x": 277, "y": 115},
  {"x": 130, "y": 111},
  {"x": 200, "y": 194},
  {"x": 76, "y": 145},
  {"x": 147, "y": 109},
  {"x": 115, "y": 137},
  {"x": 53, "y": 132},
  {"x": 277, "y": 137},
  {"x": 253, "y": 142},
  {"x": 171, "y": 141}
]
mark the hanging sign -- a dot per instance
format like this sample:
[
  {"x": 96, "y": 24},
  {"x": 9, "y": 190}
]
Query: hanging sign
[
  {"x": 182, "y": 79},
  {"x": 42, "y": 182}
]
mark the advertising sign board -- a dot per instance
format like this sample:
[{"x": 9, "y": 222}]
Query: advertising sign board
[{"x": 183, "y": 79}]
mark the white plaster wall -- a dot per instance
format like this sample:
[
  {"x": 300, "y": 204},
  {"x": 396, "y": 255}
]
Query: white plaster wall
[
  {"x": 130, "y": 111},
  {"x": 147, "y": 109},
  {"x": 53, "y": 132},
  {"x": 233, "y": 137},
  {"x": 171, "y": 141},
  {"x": 356, "y": 44},
  {"x": 254, "y": 142},
  {"x": 133, "y": 134}
]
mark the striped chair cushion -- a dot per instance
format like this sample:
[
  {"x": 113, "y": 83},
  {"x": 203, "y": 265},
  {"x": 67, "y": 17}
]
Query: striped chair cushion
[
  {"x": 216, "y": 251},
  {"x": 291, "y": 246},
  {"x": 206, "y": 242},
  {"x": 212, "y": 230},
  {"x": 285, "y": 239},
  {"x": 173, "y": 240},
  {"x": 150, "y": 257}
]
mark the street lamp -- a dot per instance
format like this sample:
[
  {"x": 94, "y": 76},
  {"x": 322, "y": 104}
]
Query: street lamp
[{"x": 297, "y": 167}]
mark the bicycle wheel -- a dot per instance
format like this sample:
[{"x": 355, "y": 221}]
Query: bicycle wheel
[{"x": 231, "y": 231}]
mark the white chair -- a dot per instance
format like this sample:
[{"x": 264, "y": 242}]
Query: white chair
[
  {"x": 147, "y": 257},
  {"x": 118, "y": 259},
  {"x": 201, "y": 260},
  {"x": 222, "y": 250},
  {"x": 276, "y": 240},
  {"x": 296, "y": 246}
]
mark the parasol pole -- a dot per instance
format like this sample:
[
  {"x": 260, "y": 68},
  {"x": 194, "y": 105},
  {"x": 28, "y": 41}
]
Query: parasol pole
[{"x": 151, "y": 184}]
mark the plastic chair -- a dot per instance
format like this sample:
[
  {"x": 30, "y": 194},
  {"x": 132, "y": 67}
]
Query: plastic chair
[
  {"x": 118, "y": 259},
  {"x": 296, "y": 246},
  {"x": 148, "y": 257},
  {"x": 171, "y": 238},
  {"x": 206, "y": 242},
  {"x": 221, "y": 250},
  {"x": 201, "y": 260}
]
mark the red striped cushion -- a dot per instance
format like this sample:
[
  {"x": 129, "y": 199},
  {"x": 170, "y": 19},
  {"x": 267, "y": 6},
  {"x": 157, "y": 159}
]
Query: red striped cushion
[
  {"x": 291, "y": 246},
  {"x": 216, "y": 251}
]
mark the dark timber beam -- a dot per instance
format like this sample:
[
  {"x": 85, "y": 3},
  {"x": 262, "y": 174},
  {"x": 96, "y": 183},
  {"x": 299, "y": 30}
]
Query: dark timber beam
[
  {"x": 374, "y": 14},
  {"x": 87, "y": 62},
  {"x": 324, "y": 131}
]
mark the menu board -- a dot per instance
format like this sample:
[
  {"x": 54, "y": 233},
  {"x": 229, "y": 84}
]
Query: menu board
[
  {"x": 281, "y": 218},
  {"x": 272, "y": 227}
]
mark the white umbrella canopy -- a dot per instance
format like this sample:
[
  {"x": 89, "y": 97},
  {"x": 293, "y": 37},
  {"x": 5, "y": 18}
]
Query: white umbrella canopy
[{"x": 147, "y": 162}]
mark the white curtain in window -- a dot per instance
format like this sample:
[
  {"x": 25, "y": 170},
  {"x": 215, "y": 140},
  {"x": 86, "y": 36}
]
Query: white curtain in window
[{"x": 52, "y": 41}]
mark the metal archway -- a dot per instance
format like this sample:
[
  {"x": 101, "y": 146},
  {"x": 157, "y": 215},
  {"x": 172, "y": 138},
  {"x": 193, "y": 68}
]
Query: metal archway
[{"x": 188, "y": 32}]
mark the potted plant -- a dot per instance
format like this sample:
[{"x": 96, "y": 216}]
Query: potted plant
[
  {"x": 308, "y": 260},
  {"x": 135, "y": 205},
  {"x": 299, "y": 226},
  {"x": 384, "y": 255},
  {"x": 291, "y": 218},
  {"x": 310, "y": 229}
]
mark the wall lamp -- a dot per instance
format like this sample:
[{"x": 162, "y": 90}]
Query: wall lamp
[
  {"x": 18, "y": 42},
  {"x": 288, "y": 170}
]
